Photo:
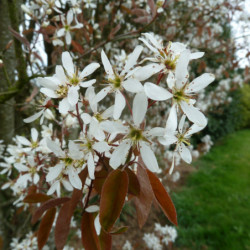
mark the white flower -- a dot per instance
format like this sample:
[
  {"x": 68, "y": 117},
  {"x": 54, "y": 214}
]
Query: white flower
[
  {"x": 89, "y": 4},
  {"x": 117, "y": 82},
  {"x": 134, "y": 137},
  {"x": 167, "y": 56},
  {"x": 179, "y": 137},
  {"x": 71, "y": 163},
  {"x": 182, "y": 92},
  {"x": 65, "y": 31},
  {"x": 66, "y": 86}
]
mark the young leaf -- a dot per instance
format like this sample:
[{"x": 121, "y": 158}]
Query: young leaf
[
  {"x": 90, "y": 239},
  {"x": 144, "y": 200},
  {"x": 113, "y": 196},
  {"x": 47, "y": 205},
  {"x": 134, "y": 185},
  {"x": 36, "y": 198},
  {"x": 163, "y": 198},
  {"x": 45, "y": 227},
  {"x": 119, "y": 230}
]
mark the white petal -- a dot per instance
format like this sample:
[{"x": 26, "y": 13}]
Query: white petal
[
  {"x": 119, "y": 155},
  {"x": 96, "y": 131},
  {"x": 87, "y": 84},
  {"x": 120, "y": 104},
  {"x": 157, "y": 131},
  {"x": 49, "y": 92},
  {"x": 181, "y": 123},
  {"x": 89, "y": 69},
  {"x": 55, "y": 148},
  {"x": 147, "y": 71},
  {"x": 148, "y": 157},
  {"x": 68, "y": 38},
  {"x": 64, "y": 106},
  {"x": 69, "y": 17},
  {"x": 36, "y": 178},
  {"x": 86, "y": 118},
  {"x": 53, "y": 187},
  {"x": 23, "y": 140},
  {"x": 132, "y": 58},
  {"x": 73, "y": 95},
  {"x": 171, "y": 80},
  {"x": 74, "y": 178},
  {"x": 193, "y": 114},
  {"x": 101, "y": 146},
  {"x": 193, "y": 129},
  {"x": 33, "y": 117},
  {"x": 20, "y": 167},
  {"x": 155, "y": 92},
  {"x": 200, "y": 82},
  {"x": 196, "y": 55},
  {"x": 149, "y": 45},
  {"x": 54, "y": 172},
  {"x": 185, "y": 153},
  {"x": 34, "y": 134},
  {"x": 132, "y": 85},
  {"x": 99, "y": 96},
  {"x": 181, "y": 71},
  {"x": 91, "y": 166},
  {"x": 92, "y": 209},
  {"x": 108, "y": 112},
  {"x": 140, "y": 105},
  {"x": 97, "y": 225},
  {"x": 67, "y": 185},
  {"x": 48, "y": 82},
  {"x": 60, "y": 32},
  {"x": 153, "y": 40},
  {"x": 171, "y": 124},
  {"x": 74, "y": 151},
  {"x": 168, "y": 139},
  {"x": 60, "y": 74},
  {"x": 107, "y": 66},
  {"x": 68, "y": 63}
]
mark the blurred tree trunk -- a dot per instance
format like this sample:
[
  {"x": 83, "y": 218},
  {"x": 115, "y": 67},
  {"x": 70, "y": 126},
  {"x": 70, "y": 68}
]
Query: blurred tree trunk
[{"x": 7, "y": 118}]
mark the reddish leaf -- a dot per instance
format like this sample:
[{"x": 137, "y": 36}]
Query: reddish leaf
[
  {"x": 152, "y": 6},
  {"x": 144, "y": 200},
  {"x": 105, "y": 240},
  {"x": 8, "y": 45},
  {"x": 78, "y": 47},
  {"x": 163, "y": 198},
  {"x": 120, "y": 230},
  {"x": 19, "y": 37},
  {"x": 113, "y": 196},
  {"x": 134, "y": 185},
  {"x": 66, "y": 212},
  {"x": 36, "y": 198},
  {"x": 47, "y": 205},
  {"x": 90, "y": 239},
  {"x": 45, "y": 227},
  {"x": 100, "y": 178}
]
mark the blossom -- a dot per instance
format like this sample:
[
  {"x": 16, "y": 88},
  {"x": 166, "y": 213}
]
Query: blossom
[
  {"x": 117, "y": 82},
  {"x": 71, "y": 163},
  {"x": 65, "y": 31},
  {"x": 134, "y": 137},
  {"x": 66, "y": 86},
  {"x": 178, "y": 137},
  {"x": 167, "y": 56},
  {"x": 182, "y": 92}
]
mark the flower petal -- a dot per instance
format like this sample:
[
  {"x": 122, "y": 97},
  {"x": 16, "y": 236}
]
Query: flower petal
[
  {"x": 200, "y": 82},
  {"x": 148, "y": 157},
  {"x": 132, "y": 85},
  {"x": 107, "y": 66},
  {"x": 74, "y": 178},
  {"x": 193, "y": 114},
  {"x": 155, "y": 92},
  {"x": 140, "y": 105},
  {"x": 64, "y": 106},
  {"x": 54, "y": 172},
  {"x": 119, "y": 105},
  {"x": 91, "y": 166},
  {"x": 147, "y": 71},
  {"x": 185, "y": 153},
  {"x": 73, "y": 95},
  {"x": 89, "y": 69},
  {"x": 171, "y": 124},
  {"x": 68, "y": 63}
]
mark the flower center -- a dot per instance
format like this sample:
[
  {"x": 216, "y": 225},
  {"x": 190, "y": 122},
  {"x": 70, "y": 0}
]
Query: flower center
[
  {"x": 181, "y": 139},
  {"x": 179, "y": 95},
  {"x": 98, "y": 117},
  {"x": 117, "y": 82},
  {"x": 74, "y": 80},
  {"x": 62, "y": 91},
  {"x": 135, "y": 134},
  {"x": 68, "y": 161}
]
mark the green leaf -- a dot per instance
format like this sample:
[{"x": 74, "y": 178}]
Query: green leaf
[
  {"x": 163, "y": 198},
  {"x": 113, "y": 196}
]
